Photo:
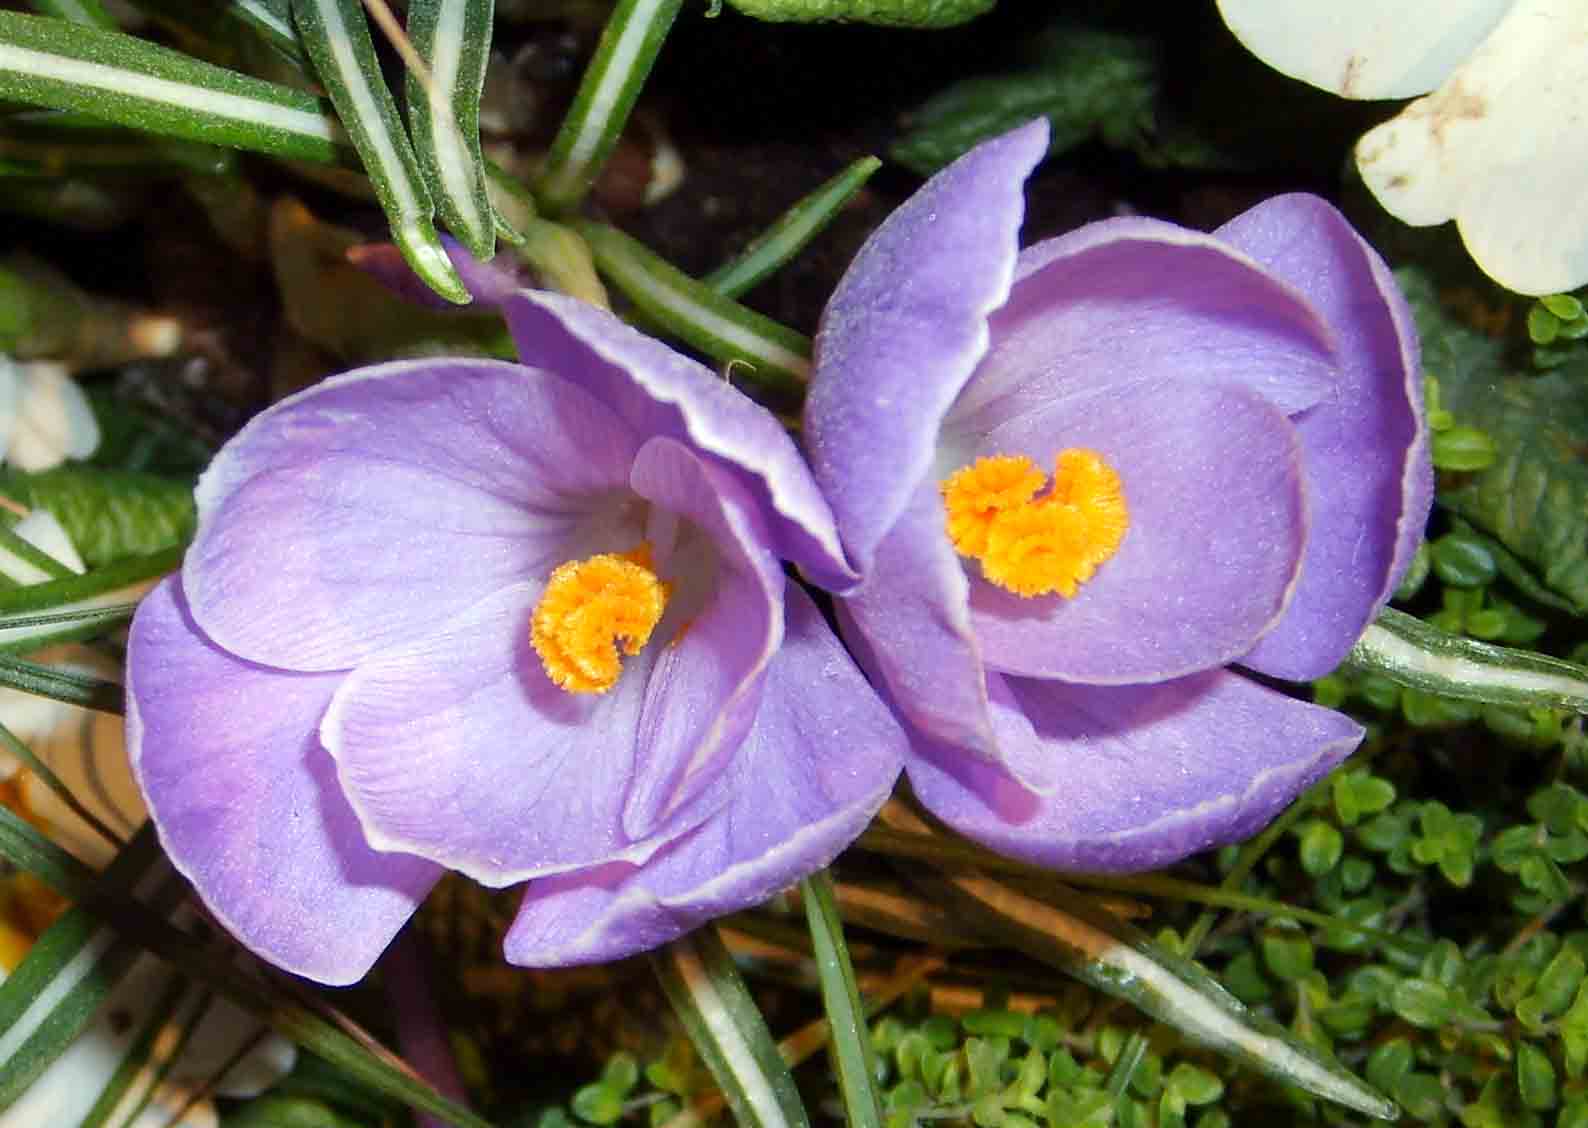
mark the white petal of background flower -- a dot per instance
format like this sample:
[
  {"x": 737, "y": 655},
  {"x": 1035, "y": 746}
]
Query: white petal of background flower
[
  {"x": 1502, "y": 148},
  {"x": 1364, "y": 48},
  {"x": 53, "y": 419}
]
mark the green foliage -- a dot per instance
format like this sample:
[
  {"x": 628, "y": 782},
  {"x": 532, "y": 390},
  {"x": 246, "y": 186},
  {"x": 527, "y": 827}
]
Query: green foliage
[
  {"x": 892, "y": 13},
  {"x": 1086, "y": 81},
  {"x": 109, "y": 514}
]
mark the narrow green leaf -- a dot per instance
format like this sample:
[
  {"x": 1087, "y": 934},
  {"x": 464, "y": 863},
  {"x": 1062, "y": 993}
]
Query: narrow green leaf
[
  {"x": 149, "y": 1056},
  {"x": 454, "y": 38},
  {"x": 28, "y": 759},
  {"x": 792, "y": 231},
  {"x": 122, "y": 79},
  {"x": 25, "y": 563},
  {"x": 90, "y": 13},
  {"x": 74, "y": 689},
  {"x": 74, "y": 592},
  {"x": 336, "y": 36},
  {"x": 109, "y": 514},
  {"x": 1119, "y": 960},
  {"x": 234, "y": 25},
  {"x": 728, "y": 1031},
  {"x": 92, "y": 619},
  {"x": 25, "y": 847},
  {"x": 1413, "y": 653},
  {"x": 629, "y": 45},
  {"x": 776, "y": 358},
  {"x": 67, "y": 974},
  {"x": 850, "y": 1037},
  {"x": 889, "y": 13}
]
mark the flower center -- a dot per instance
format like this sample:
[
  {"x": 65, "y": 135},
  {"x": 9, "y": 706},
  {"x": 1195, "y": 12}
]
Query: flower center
[
  {"x": 587, "y": 607},
  {"x": 1033, "y": 545}
]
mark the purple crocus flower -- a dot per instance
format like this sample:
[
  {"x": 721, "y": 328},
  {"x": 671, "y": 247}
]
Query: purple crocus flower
[
  {"x": 526, "y": 622},
  {"x": 1083, "y": 480}
]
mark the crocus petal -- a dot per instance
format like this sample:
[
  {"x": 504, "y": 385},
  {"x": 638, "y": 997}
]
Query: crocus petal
[
  {"x": 661, "y": 393},
  {"x": 1153, "y": 772},
  {"x": 1212, "y": 478},
  {"x": 1137, "y": 301},
  {"x": 459, "y": 748},
  {"x": 247, "y": 803},
  {"x": 360, "y": 513},
  {"x": 912, "y": 611},
  {"x": 705, "y": 687},
  {"x": 819, "y": 761},
  {"x": 1364, "y": 48},
  {"x": 905, "y": 329},
  {"x": 1365, "y": 449},
  {"x": 1500, "y": 148}
]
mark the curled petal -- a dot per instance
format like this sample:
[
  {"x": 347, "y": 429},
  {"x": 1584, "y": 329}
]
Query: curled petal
[
  {"x": 658, "y": 392},
  {"x": 1364, "y": 450},
  {"x": 799, "y": 798},
  {"x": 705, "y": 688},
  {"x": 905, "y": 330},
  {"x": 459, "y": 748},
  {"x": 1152, "y": 772},
  {"x": 1364, "y": 48},
  {"x": 360, "y": 513},
  {"x": 1135, "y": 301},
  {"x": 247, "y": 803},
  {"x": 1218, "y": 524},
  {"x": 1500, "y": 148}
]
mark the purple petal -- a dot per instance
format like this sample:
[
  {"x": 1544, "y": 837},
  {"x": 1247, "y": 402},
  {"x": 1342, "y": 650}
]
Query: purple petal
[
  {"x": 799, "y": 799},
  {"x": 1218, "y": 525},
  {"x": 906, "y": 328},
  {"x": 1365, "y": 449},
  {"x": 458, "y": 748},
  {"x": 705, "y": 688},
  {"x": 1153, "y": 773},
  {"x": 360, "y": 513},
  {"x": 912, "y": 618},
  {"x": 247, "y": 803},
  {"x": 1138, "y": 301},
  {"x": 659, "y": 392}
]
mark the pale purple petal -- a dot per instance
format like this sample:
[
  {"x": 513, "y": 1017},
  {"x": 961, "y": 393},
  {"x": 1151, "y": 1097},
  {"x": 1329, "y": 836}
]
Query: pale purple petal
[
  {"x": 1212, "y": 479},
  {"x": 821, "y": 758},
  {"x": 1365, "y": 449},
  {"x": 460, "y": 749},
  {"x": 247, "y": 804},
  {"x": 905, "y": 329},
  {"x": 1153, "y": 773},
  {"x": 364, "y": 511},
  {"x": 912, "y": 614},
  {"x": 659, "y": 392},
  {"x": 1132, "y": 301},
  {"x": 703, "y": 692}
]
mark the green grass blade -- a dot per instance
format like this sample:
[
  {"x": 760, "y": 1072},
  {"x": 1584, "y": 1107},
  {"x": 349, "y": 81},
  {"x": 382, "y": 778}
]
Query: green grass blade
[
  {"x": 74, "y": 689},
  {"x": 26, "y": 563},
  {"x": 454, "y": 38},
  {"x": 728, "y": 1031},
  {"x": 68, "y": 973},
  {"x": 22, "y": 845},
  {"x": 125, "y": 80},
  {"x": 850, "y": 1036},
  {"x": 67, "y": 593},
  {"x": 793, "y": 230},
  {"x": 777, "y": 358},
  {"x": 1413, "y": 653},
  {"x": 336, "y": 36},
  {"x": 90, "y": 13},
  {"x": 629, "y": 45}
]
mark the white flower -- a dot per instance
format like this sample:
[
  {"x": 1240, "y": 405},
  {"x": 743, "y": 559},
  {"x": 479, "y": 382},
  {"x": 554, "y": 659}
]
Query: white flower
[
  {"x": 1501, "y": 143},
  {"x": 86, "y": 751},
  {"x": 44, "y": 416}
]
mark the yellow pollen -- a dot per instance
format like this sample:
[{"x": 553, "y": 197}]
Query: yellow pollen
[
  {"x": 1033, "y": 545},
  {"x": 587, "y": 608}
]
